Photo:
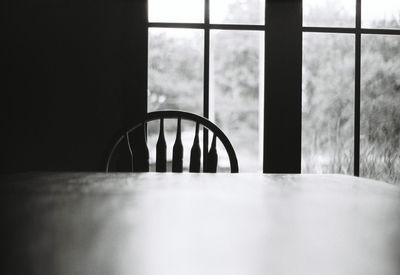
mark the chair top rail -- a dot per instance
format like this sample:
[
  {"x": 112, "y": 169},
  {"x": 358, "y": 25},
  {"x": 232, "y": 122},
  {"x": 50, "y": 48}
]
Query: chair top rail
[{"x": 175, "y": 114}]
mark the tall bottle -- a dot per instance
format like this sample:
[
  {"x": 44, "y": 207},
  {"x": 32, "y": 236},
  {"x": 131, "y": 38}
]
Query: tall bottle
[
  {"x": 161, "y": 148},
  {"x": 195, "y": 153},
  {"x": 212, "y": 156},
  {"x": 177, "y": 152},
  {"x": 146, "y": 164},
  {"x": 140, "y": 150}
]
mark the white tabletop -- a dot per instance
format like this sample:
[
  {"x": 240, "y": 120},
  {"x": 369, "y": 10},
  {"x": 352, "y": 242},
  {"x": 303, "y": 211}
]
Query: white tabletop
[{"x": 250, "y": 224}]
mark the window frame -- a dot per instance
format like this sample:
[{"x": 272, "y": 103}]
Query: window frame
[
  {"x": 206, "y": 26},
  {"x": 358, "y": 31},
  {"x": 283, "y": 32}
]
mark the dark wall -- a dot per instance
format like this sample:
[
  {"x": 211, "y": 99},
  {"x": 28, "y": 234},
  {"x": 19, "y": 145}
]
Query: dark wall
[{"x": 74, "y": 73}]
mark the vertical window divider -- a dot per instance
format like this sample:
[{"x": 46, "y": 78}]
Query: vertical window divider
[
  {"x": 283, "y": 87},
  {"x": 357, "y": 90},
  {"x": 206, "y": 77}
]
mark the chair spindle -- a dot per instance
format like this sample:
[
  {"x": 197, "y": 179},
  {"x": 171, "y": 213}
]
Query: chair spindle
[
  {"x": 130, "y": 151},
  {"x": 140, "y": 151},
  {"x": 123, "y": 161},
  {"x": 212, "y": 156},
  {"x": 161, "y": 150},
  {"x": 146, "y": 164},
  {"x": 177, "y": 152},
  {"x": 195, "y": 153}
]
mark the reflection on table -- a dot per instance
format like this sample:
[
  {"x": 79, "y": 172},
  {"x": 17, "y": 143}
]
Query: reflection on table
[{"x": 95, "y": 223}]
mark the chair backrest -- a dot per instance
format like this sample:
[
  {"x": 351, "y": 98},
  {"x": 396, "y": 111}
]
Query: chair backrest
[{"x": 210, "y": 159}]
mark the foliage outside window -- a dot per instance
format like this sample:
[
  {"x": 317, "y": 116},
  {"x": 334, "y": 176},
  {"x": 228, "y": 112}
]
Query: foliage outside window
[
  {"x": 176, "y": 65},
  {"x": 328, "y": 90},
  {"x": 176, "y": 81}
]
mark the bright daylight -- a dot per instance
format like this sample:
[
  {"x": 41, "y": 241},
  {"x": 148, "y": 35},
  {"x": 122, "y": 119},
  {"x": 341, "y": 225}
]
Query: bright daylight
[
  {"x": 236, "y": 77},
  {"x": 200, "y": 137}
]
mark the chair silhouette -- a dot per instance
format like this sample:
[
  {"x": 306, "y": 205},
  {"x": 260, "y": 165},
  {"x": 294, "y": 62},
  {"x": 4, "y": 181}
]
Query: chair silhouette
[{"x": 129, "y": 144}]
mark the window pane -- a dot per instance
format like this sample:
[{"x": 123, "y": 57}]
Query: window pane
[
  {"x": 328, "y": 103},
  {"x": 380, "y": 13},
  {"x": 236, "y": 88},
  {"x": 380, "y": 111},
  {"x": 184, "y": 11},
  {"x": 175, "y": 74},
  {"x": 329, "y": 13},
  {"x": 237, "y": 11}
]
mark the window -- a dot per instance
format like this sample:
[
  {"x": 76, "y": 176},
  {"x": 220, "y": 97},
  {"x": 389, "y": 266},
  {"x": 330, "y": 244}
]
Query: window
[
  {"x": 350, "y": 88},
  {"x": 207, "y": 57}
]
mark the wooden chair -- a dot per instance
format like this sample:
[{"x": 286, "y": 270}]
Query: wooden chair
[{"x": 129, "y": 145}]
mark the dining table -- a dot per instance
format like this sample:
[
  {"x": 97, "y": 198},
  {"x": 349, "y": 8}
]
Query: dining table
[{"x": 187, "y": 223}]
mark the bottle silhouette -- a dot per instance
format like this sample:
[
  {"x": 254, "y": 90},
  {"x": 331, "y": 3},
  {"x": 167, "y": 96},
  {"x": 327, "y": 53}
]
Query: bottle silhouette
[
  {"x": 124, "y": 159},
  {"x": 212, "y": 156},
  {"x": 195, "y": 153},
  {"x": 161, "y": 150},
  {"x": 140, "y": 151},
  {"x": 146, "y": 164},
  {"x": 177, "y": 154}
]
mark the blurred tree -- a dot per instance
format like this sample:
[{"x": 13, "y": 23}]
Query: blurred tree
[
  {"x": 176, "y": 71},
  {"x": 380, "y": 112},
  {"x": 328, "y": 104}
]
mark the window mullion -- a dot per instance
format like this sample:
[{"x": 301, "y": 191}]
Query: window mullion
[
  {"x": 206, "y": 78},
  {"x": 283, "y": 87},
  {"x": 357, "y": 90}
]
